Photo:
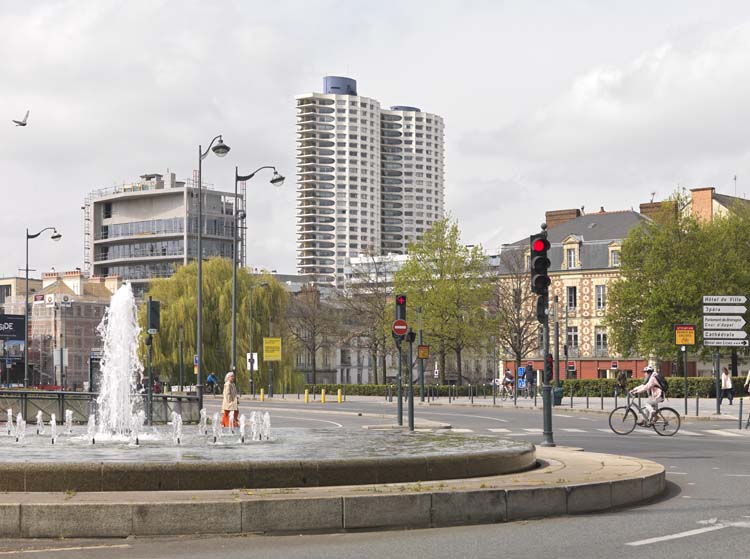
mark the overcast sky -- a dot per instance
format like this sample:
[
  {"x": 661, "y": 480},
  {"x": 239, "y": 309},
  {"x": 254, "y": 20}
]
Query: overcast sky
[{"x": 547, "y": 105}]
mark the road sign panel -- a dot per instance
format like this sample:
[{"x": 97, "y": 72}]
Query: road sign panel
[
  {"x": 722, "y": 322},
  {"x": 719, "y": 299},
  {"x": 726, "y": 343},
  {"x": 614, "y": 365},
  {"x": 271, "y": 349},
  {"x": 684, "y": 334},
  {"x": 423, "y": 352},
  {"x": 724, "y": 334},
  {"x": 724, "y": 309},
  {"x": 400, "y": 327},
  {"x": 195, "y": 360}
]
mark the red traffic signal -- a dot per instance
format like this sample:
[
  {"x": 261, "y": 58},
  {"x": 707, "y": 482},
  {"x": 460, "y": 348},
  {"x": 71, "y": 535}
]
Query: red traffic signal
[
  {"x": 540, "y": 245},
  {"x": 539, "y": 263},
  {"x": 401, "y": 300},
  {"x": 400, "y": 307}
]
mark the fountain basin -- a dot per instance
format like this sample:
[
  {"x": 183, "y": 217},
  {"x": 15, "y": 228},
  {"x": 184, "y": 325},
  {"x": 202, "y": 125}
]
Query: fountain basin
[{"x": 292, "y": 458}]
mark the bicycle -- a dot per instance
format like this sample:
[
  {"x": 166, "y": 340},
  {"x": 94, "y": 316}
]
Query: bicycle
[
  {"x": 506, "y": 391},
  {"x": 623, "y": 419}
]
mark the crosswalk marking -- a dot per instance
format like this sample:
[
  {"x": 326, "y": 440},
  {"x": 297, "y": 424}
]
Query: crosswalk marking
[
  {"x": 689, "y": 433},
  {"x": 573, "y": 430},
  {"x": 534, "y": 430},
  {"x": 561, "y": 415},
  {"x": 462, "y": 430},
  {"x": 499, "y": 430},
  {"x": 722, "y": 433}
]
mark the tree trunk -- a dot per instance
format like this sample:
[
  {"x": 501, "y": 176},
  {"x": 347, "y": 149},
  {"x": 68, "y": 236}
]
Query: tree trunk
[
  {"x": 314, "y": 369},
  {"x": 442, "y": 364},
  {"x": 374, "y": 358},
  {"x": 459, "y": 368},
  {"x": 385, "y": 370}
]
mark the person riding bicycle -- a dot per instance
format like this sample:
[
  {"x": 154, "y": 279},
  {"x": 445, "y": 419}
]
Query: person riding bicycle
[
  {"x": 654, "y": 390},
  {"x": 530, "y": 377},
  {"x": 211, "y": 383},
  {"x": 508, "y": 380}
]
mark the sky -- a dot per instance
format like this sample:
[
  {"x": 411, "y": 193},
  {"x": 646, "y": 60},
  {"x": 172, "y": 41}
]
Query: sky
[{"x": 547, "y": 104}]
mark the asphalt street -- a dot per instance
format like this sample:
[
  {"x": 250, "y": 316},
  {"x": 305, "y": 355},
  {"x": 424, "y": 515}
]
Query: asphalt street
[{"x": 706, "y": 512}]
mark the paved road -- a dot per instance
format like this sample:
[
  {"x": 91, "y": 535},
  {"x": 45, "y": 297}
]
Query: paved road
[{"x": 705, "y": 513}]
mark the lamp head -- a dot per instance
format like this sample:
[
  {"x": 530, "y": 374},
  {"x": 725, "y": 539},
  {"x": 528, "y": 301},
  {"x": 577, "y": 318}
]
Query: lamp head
[
  {"x": 221, "y": 149},
  {"x": 241, "y": 214},
  {"x": 277, "y": 179},
  {"x": 56, "y": 236}
]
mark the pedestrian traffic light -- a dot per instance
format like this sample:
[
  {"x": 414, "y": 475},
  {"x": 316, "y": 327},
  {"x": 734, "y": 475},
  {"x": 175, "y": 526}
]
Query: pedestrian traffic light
[
  {"x": 153, "y": 316},
  {"x": 539, "y": 263},
  {"x": 400, "y": 307},
  {"x": 541, "y": 309}
]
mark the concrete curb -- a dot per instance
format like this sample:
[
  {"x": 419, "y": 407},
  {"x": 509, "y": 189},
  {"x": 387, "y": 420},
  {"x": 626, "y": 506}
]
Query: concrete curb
[{"x": 568, "y": 482}]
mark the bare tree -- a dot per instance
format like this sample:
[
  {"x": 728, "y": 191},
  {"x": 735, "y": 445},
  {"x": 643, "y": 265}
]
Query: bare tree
[
  {"x": 313, "y": 322},
  {"x": 518, "y": 327}
]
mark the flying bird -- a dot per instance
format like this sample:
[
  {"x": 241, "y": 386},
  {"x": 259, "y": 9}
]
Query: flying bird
[{"x": 22, "y": 122}]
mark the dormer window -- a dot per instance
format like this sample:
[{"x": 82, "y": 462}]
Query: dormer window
[
  {"x": 570, "y": 256},
  {"x": 571, "y": 252},
  {"x": 614, "y": 254}
]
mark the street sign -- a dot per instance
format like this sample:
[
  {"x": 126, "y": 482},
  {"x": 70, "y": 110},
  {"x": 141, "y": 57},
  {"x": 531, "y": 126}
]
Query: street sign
[
  {"x": 719, "y": 299},
  {"x": 684, "y": 334},
  {"x": 271, "y": 349},
  {"x": 195, "y": 360},
  {"x": 254, "y": 365},
  {"x": 423, "y": 352},
  {"x": 436, "y": 374},
  {"x": 726, "y": 343},
  {"x": 722, "y": 309},
  {"x": 725, "y": 334},
  {"x": 400, "y": 327},
  {"x": 722, "y": 322},
  {"x": 614, "y": 365},
  {"x": 152, "y": 331}
]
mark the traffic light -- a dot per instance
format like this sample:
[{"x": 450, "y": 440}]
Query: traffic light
[
  {"x": 400, "y": 307},
  {"x": 539, "y": 263},
  {"x": 153, "y": 315}
]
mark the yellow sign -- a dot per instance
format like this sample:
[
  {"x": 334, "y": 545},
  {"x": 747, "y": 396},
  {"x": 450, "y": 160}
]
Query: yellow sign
[
  {"x": 271, "y": 349},
  {"x": 423, "y": 352},
  {"x": 684, "y": 334}
]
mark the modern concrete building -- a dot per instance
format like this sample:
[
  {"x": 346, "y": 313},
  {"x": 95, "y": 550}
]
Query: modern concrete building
[
  {"x": 369, "y": 180},
  {"x": 147, "y": 229},
  {"x": 16, "y": 287}
]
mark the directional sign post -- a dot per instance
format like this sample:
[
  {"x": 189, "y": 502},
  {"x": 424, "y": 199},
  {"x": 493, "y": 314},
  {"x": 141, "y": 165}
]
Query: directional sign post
[{"x": 719, "y": 322}]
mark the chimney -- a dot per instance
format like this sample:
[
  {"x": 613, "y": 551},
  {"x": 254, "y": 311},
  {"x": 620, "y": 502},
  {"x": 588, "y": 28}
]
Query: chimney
[
  {"x": 74, "y": 281},
  {"x": 703, "y": 203},
  {"x": 112, "y": 283},
  {"x": 49, "y": 278},
  {"x": 651, "y": 209},
  {"x": 558, "y": 217}
]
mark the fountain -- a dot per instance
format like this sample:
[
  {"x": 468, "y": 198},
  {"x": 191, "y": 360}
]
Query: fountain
[{"x": 130, "y": 456}]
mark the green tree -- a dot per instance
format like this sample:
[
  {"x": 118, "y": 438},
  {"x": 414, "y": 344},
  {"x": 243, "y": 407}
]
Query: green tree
[
  {"x": 178, "y": 298},
  {"x": 450, "y": 282},
  {"x": 667, "y": 265}
]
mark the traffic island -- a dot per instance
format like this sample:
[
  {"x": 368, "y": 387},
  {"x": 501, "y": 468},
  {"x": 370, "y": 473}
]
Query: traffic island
[{"x": 565, "y": 482}]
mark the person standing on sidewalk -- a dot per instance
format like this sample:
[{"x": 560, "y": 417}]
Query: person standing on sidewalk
[
  {"x": 726, "y": 386},
  {"x": 230, "y": 403}
]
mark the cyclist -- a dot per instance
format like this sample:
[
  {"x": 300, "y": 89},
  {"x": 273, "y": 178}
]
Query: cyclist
[
  {"x": 508, "y": 381},
  {"x": 211, "y": 383},
  {"x": 651, "y": 384}
]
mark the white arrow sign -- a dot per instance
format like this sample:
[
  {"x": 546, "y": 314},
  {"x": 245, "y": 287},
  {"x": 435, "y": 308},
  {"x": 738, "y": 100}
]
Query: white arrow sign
[
  {"x": 723, "y": 322},
  {"x": 719, "y": 299},
  {"x": 726, "y": 343},
  {"x": 725, "y": 334},
  {"x": 721, "y": 309}
]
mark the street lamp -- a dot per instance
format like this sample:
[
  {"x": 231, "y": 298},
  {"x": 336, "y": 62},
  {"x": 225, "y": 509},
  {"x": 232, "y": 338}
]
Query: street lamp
[
  {"x": 220, "y": 149},
  {"x": 252, "y": 357},
  {"x": 55, "y": 237},
  {"x": 276, "y": 180}
]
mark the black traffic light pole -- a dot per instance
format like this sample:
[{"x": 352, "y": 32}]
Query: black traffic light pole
[
  {"x": 540, "y": 285},
  {"x": 400, "y": 405},
  {"x": 410, "y": 337}
]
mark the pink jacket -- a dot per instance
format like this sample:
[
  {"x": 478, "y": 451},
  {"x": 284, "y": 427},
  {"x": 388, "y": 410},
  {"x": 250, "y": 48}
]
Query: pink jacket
[{"x": 652, "y": 386}]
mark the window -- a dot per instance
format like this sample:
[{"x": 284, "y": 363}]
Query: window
[
  {"x": 601, "y": 297},
  {"x": 572, "y": 337},
  {"x": 571, "y": 257},
  {"x": 601, "y": 339},
  {"x": 572, "y": 298},
  {"x": 107, "y": 210},
  {"x": 614, "y": 257}
]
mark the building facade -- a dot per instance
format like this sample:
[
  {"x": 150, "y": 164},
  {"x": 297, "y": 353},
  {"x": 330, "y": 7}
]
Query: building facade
[
  {"x": 369, "y": 180},
  {"x": 147, "y": 229}
]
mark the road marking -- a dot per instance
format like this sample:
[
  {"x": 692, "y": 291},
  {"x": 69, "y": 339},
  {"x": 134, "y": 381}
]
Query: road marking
[
  {"x": 467, "y": 415},
  {"x": 534, "y": 430},
  {"x": 499, "y": 430},
  {"x": 690, "y": 433},
  {"x": 678, "y": 535},
  {"x": 722, "y": 433},
  {"x": 605, "y": 430},
  {"x": 737, "y": 475},
  {"x": 561, "y": 415},
  {"x": 309, "y": 419},
  {"x": 676, "y": 473},
  {"x": 79, "y": 548},
  {"x": 462, "y": 430},
  {"x": 573, "y": 430}
]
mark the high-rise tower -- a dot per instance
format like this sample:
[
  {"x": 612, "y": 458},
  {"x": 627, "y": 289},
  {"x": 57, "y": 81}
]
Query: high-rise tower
[{"x": 369, "y": 180}]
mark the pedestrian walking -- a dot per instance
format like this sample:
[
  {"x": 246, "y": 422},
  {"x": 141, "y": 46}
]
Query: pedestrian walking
[
  {"x": 230, "y": 403},
  {"x": 747, "y": 381},
  {"x": 621, "y": 384},
  {"x": 726, "y": 386}
]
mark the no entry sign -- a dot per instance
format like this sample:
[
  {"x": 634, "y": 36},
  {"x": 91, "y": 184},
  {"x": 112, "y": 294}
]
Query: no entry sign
[{"x": 400, "y": 327}]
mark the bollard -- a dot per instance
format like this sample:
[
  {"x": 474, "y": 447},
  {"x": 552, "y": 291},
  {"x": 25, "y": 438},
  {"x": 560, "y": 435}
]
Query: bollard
[
  {"x": 697, "y": 403},
  {"x": 740, "y": 425},
  {"x": 344, "y": 393},
  {"x": 283, "y": 391},
  {"x": 572, "y": 389},
  {"x": 298, "y": 391},
  {"x": 262, "y": 395},
  {"x": 471, "y": 394},
  {"x": 313, "y": 392},
  {"x": 338, "y": 396},
  {"x": 322, "y": 395},
  {"x": 601, "y": 395},
  {"x": 449, "y": 393},
  {"x": 587, "y": 397},
  {"x": 307, "y": 396}
]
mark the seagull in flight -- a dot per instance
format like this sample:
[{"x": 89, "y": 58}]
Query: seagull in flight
[{"x": 22, "y": 122}]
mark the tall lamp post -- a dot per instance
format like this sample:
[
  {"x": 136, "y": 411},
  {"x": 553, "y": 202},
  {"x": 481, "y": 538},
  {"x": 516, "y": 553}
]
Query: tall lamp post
[
  {"x": 55, "y": 237},
  {"x": 252, "y": 357},
  {"x": 220, "y": 149},
  {"x": 276, "y": 180}
]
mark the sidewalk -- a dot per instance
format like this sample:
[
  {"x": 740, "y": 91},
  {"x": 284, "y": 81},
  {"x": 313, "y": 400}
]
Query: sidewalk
[{"x": 706, "y": 407}]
